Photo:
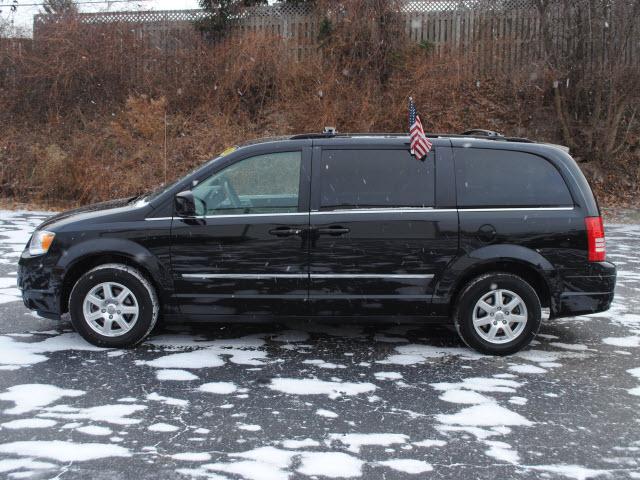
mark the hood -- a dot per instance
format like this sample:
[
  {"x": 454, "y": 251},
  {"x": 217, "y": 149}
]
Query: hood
[{"x": 94, "y": 207}]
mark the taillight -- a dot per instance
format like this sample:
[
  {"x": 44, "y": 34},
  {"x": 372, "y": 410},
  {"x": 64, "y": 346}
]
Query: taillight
[{"x": 595, "y": 238}]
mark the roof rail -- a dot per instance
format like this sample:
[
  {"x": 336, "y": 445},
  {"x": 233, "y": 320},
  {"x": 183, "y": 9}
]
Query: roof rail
[
  {"x": 482, "y": 132},
  {"x": 479, "y": 134},
  {"x": 305, "y": 136},
  {"x": 492, "y": 135}
]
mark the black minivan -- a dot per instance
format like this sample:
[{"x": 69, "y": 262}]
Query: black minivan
[{"x": 484, "y": 234}]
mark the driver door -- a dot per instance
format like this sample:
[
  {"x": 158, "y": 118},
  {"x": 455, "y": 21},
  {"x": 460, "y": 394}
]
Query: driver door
[{"x": 245, "y": 251}]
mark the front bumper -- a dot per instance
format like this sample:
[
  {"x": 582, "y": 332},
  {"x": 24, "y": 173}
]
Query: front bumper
[
  {"x": 591, "y": 292},
  {"x": 40, "y": 285}
]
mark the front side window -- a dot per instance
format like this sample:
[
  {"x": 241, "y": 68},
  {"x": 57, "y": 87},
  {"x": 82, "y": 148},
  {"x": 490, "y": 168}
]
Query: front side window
[
  {"x": 375, "y": 179},
  {"x": 262, "y": 184},
  {"x": 502, "y": 178}
]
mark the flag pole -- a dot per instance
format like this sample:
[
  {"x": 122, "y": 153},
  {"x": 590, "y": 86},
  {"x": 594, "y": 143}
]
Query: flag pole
[{"x": 409, "y": 122}]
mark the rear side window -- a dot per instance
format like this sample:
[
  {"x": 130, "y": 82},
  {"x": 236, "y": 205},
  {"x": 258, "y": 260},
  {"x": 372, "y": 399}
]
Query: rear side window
[
  {"x": 375, "y": 179},
  {"x": 502, "y": 178}
]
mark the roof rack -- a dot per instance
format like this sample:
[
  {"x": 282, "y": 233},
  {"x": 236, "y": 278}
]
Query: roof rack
[
  {"x": 482, "y": 132},
  {"x": 481, "y": 136},
  {"x": 491, "y": 135},
  {"x": 475, "y": 133},
  {"x": 305, "y": 136}
]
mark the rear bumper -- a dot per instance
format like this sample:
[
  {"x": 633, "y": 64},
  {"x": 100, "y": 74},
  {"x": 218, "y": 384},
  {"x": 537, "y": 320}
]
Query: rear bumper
[{"x": 589, "y": 293}]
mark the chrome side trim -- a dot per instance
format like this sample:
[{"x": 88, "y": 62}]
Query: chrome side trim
[
  {"x": 368, "y": 275},
  {"x": 289, "y": 214},
  {"x": 382, "y": 210},
  {"x": 245, "y": 215},
  {"x": 262, "y": 276},
  {"x": 514, "y": 209},
  {"x": 248, "y": 276}
]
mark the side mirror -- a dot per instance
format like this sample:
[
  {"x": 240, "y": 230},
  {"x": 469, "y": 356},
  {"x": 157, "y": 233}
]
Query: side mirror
[{"x": 185, "y": 204}]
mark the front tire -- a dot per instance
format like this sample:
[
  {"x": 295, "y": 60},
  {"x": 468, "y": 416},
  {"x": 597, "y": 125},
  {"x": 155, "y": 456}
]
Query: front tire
[
  {"x": 113, "y": 305},
  {"x": 497, "y": 313}
]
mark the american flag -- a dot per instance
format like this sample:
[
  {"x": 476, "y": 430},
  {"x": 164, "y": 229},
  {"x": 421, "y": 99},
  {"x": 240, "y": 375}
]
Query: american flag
[{"x": 420, "y": 144}]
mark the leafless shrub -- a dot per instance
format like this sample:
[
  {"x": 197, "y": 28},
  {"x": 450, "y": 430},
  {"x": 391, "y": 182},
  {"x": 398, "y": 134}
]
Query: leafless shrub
[
  {"x": 595, "y": 79},
  {"x": 94, "y": 112}
]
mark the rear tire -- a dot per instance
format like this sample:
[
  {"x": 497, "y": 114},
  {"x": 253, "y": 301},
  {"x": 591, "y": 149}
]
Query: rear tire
[
  {"x": 113, "y": 305},
  {"x": 497, "y": 313}
]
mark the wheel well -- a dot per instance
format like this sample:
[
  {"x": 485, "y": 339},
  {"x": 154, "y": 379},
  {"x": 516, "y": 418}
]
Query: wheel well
[
  {"x": 528, "y": 273},
  {"x": 86, "y": 264}
]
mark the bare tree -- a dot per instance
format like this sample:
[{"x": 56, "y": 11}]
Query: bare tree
[
  {"x": 595, "y": 86},
  {"x": 60, "y": 7}
]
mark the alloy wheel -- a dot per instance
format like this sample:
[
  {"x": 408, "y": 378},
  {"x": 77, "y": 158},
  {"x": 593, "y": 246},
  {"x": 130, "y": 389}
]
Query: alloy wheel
[
  {"x": 499, "y": 316},
  {"x": 110, "y": 309}
]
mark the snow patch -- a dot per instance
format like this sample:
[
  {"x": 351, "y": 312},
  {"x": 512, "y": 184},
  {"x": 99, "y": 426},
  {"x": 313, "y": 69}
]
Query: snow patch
[
  {"x": 162, "y": 427},
  {"x": 480, "y": 384},
  {"x": 354, "y": 441},
  {"x": 28, "y": 423},
  {"x": 95, "y": 430},
  {"x": 294, "y": 444},
  {"x": 323, "y": 364},
  {"x": 632, "y": 341},
  {"x": 575, "y": 472},
  {"x": 18, "y": 353},
  {"x": 175, "y": 375},
  {"x": 430, "y": 443},
  {"x": 221, "y": 388},
  {"x": 241, "y": 351},
  {"x": 484, "y": 415},
  {"x": 32, "y": 396},
  {"x": 312, "y": 386},
  {"x": 502, "y": 451},
  {"x": 388, "y": 375},
  {"x": 10, "y": 464},
  {"x": 64, "y": 451},
  {"x": 249, "y": 427},
  {"x": 326, "y": 413},
  {"x": 116, "y": 414},
  {"x": 270, "y": 463},
  {"x": 464, "y": 397},
  {"x": 526, "y": 369},
  {"x": 414, "y": 353},
  {"x": 330, "y": 464},
  {"x": 155, "y": 397}
]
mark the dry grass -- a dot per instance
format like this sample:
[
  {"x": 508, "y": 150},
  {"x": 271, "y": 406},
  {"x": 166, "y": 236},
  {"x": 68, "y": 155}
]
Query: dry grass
[{"x": 88, "y": 117}]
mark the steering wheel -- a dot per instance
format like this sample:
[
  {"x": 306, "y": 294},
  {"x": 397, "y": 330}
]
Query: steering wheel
[{"x": 232, "y": 195}]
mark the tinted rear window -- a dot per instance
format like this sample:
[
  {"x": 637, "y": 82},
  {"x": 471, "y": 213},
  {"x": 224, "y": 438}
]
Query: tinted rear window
[
  {"x": 502, "y": 178},
  {"x": 375, "y": 178}
]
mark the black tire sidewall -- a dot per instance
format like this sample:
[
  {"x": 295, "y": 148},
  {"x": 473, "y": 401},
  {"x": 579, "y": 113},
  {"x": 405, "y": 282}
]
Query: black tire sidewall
[
  {"x": 145, "y": 304},
  {"x": 480, "y": 286}
]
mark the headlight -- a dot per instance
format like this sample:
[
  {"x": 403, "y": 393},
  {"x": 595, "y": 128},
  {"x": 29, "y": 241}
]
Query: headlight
[{"x": 40, "y": 242}]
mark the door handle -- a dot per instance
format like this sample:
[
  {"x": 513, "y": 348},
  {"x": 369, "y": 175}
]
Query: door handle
[
  {"x": 285, "y": 231},
  {"x": 334, "y": 230}
]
